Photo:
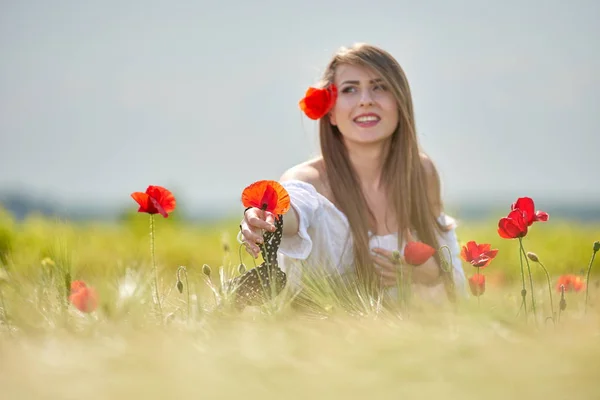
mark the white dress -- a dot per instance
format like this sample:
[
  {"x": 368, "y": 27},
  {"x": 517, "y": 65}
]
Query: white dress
[{"x": 324, "y": 241}]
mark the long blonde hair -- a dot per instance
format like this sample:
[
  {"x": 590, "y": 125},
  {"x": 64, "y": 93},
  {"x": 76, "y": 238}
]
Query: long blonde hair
[{"x": 403, "y": 172}]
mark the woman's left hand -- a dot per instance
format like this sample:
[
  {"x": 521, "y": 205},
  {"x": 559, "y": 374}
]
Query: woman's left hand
[{"x": 388, "y": 268}]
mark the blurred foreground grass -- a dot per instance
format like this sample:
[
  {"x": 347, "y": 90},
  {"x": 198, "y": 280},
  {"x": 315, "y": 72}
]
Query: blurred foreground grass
[{"x": 49, "y": 350}]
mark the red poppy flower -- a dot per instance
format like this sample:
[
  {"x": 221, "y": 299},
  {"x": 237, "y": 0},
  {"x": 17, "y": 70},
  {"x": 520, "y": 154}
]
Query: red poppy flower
[
  {"x": 513, "y": 226},
  {"x": 77, "y": 285},
  {"x": 156, "y": 200},
  {"x": 571, "y": 282},
  {"x": 416, "y": 253},
  {"x": 318, "y": 102},
  {"x": 526, "y": 205},
  {"x": 479, "y": 255},
  {"x": 84, "y": 299},
  {"x": 477, "y": 284},
  {"x": 267, "y": 195}
]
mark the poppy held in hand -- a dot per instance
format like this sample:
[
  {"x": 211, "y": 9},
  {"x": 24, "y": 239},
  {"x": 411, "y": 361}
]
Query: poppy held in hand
[
  {"x": 156, "y": 200},
  {"x": 513, "y": 226},
  {"x": 416, "y": 253},
  {"x": 318, "y": 102},
  {"x": 83, "y": 297},
  {"x": 267, "y": 195},
  {"x": 526, "y": 205},
  {"x": 479, "y": 255},
  {"x": 477, "y": 284}
]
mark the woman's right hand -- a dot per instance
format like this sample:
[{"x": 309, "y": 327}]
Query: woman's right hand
[{"x": 255, "y": 222}]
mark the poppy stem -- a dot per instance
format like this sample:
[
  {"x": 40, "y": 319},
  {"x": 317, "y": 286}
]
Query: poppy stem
[
  {"x": 187, "y": 287},
  {"x": 587, "y": 279},
  {"x": 449, "y": 272},
  {"x": 4, "y": 312},
  {"x": 156, "y": 292},
  {"x": 478, "y": 289},
  {"x": 523, "y": 290},
  {"x": 549, "y": 290},
  {"x": 530, "y": 279}
]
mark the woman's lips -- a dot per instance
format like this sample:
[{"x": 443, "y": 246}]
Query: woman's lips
[{"x": 367, "y": 120}]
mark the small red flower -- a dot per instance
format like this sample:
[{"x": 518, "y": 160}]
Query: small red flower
[
  {"x": 571, "y": 283},
  {"x": 417, "y": 253},
  {"x": 526, "y": 205},
  {"x": 267, "y": 195},
  {"x": 477, "y": 284},
  {"x": 318, "y": 102},
  {"x": 513, "y": 226},
  {"x": 77, "y": 285},
  {"x": 156, "y": 200},
  {"x": 83, "y": 297},
  {"x": 479, "y": 255}
]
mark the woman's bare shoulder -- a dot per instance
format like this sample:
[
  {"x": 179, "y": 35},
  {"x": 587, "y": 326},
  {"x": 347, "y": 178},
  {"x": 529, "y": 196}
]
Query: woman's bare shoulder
[{"x": 310, "y": 171}]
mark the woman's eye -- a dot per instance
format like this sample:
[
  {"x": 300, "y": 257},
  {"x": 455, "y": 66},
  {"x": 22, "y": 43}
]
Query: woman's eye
[
  {"x": 349, "y": 89},
  {"x": 380, "y": 87}
]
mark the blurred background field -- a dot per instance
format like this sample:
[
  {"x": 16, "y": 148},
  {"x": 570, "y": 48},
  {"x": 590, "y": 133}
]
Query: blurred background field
[{"x": 49, "y": 350}]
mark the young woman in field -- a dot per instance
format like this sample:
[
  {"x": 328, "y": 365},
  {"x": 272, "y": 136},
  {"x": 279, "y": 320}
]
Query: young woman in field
[{"x": 370, "y": 191}]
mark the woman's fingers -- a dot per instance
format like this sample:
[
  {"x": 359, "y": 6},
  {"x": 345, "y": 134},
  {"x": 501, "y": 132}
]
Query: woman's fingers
[
  {"x": 260, "y": 219},
  {"x": 391, "y": 256}
]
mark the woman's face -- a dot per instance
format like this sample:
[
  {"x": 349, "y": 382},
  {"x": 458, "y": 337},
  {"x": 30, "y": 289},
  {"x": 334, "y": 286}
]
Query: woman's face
[{"x": 365, "y": 110}]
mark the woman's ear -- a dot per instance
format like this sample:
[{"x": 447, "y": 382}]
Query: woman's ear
[{"x": 332, "y": 119}]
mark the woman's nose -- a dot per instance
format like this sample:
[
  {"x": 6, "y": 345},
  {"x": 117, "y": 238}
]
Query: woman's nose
[{"x": 365, "y": 98}]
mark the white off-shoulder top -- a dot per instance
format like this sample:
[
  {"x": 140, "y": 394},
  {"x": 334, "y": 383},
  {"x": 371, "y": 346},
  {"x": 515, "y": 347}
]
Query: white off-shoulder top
[{"x": 324, "y": 241}]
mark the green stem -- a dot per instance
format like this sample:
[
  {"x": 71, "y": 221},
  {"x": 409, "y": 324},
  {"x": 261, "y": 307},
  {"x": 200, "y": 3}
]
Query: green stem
[
  {"x": 587, "y": 281},
  {"x": 523, "y": 290},
  {"x": 4, "y": 312},
  {"x": 523, "y": 254},
  {"x": 478, "y": 294},
  {"x": 549, "y": 289},
  {"x": 156, "y": 291},
  {"x": 187, "y": 287},
  {"x": 449, "y": 272}
]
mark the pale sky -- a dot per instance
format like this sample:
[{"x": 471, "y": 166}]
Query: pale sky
[{"x": 100, "y": 99}]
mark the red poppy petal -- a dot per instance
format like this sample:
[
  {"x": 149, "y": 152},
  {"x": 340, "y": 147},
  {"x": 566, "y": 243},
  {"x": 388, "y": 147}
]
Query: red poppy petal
[
  {"x": 472, "y": 248},
  {"x": 271, "y": 193},
  {"x": 163, "y": 196},
  {"x": 541, "y": 216},
  {"x": 158, "y": 207},
  {"x": 318, "y": 101},
  {"x": 417, "y": 253},
  {"x": 77, "y": 285},
  {"x": 85, "y": 300},
  {"x": 144, "y": 201},
  {"x": 491, "y": 253},
  {"x": 485, "y": 247},
  {"x": 477, "y": 284},
  {"x": 506, "y": 229},
  {"x": 464, "y": 254},
  {"x": 526, "y": 205}
]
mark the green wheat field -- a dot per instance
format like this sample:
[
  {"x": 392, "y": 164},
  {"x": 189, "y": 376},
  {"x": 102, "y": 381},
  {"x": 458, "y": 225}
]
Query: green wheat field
[{"x": 334, "y": 346}]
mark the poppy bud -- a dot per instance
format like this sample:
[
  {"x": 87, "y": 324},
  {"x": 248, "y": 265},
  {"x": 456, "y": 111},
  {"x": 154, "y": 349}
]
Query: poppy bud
[
  {"x": 523, "y": 293},
  {"x": 206, "y": 270},
  {"x": 180, "y": 286},
  {"x": 596, "y": 246},
  {"x": 241, "y": 269},
  {"x": 563, "y": 304},
  {"x": 533, "y": 257}
]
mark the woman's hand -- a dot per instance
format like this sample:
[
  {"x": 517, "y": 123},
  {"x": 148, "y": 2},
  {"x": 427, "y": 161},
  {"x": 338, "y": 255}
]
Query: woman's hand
[
  {"x": 255, "y": 222},
  {"x": 388, "y": 267}
]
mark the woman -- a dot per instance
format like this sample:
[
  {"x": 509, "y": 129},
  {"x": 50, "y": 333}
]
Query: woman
[{"x": 370, "y": 191}]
